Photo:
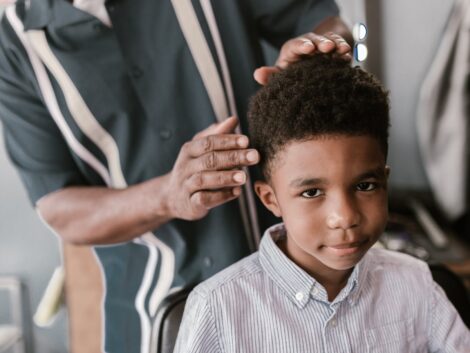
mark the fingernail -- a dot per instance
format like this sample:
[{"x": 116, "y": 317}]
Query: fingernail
[
  {"x": 236, "y": 191},
  {"x": 324, "y": 40},
  {"x": 239, "y": 177},
  {"x": 252, "y": 156},
  {"x": 307, "y": 43},
  {"x": 242, "y": 141}
]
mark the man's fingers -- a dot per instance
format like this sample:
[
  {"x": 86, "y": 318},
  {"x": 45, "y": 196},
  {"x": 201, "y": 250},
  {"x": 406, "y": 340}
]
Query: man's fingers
[
  {"x": 201, "y": 146},
  {"x": 210, "y": 199},
  {"x": 293, "y": 50},
  {"x": 224, "y": 127},
  {"x": 215, "y": 180},
  {"x": 322, "y": 43},
  {"x": 224, "y": 160},
  {"x": 342, "y": 47},
  {"x": 309, "y": 44},
  {"x": 263, "y": 74}
]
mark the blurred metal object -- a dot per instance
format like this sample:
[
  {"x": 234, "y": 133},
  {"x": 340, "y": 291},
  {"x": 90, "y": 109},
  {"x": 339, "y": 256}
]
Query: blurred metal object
[
  {"x": 435, "y": 234},
  {"x": 402, "y": 242},
  {"x": 359, "y": 32},
  {"x": 360, "y": 52},
  {"x": 12, "y": 335}
]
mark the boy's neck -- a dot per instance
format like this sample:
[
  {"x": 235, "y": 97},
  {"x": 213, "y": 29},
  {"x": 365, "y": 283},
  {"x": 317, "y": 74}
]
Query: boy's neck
[{"x": 332, "y": 280}]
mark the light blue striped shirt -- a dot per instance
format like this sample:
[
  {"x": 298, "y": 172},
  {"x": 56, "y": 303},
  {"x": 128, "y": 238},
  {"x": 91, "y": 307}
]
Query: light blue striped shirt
[{"x": 266, "y": 303}]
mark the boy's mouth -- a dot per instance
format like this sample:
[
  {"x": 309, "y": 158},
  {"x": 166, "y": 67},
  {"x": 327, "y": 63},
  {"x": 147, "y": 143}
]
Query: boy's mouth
[{"x": 346, "y": 248}]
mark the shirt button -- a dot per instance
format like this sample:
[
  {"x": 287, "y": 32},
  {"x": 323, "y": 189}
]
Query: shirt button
[
  {"x": 165, "y": 134},
  {"x": 315, "y": 291},
  {"x": 333, "y": 323},
  {"x": 299, "y": 296},
  {"x": 136, "y": 72},
  {"x": 207, "y": 261},
  {"x": 98, "y": 27}
]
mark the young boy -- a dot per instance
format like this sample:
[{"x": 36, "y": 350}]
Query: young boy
[{"x": 315, "y": 285}]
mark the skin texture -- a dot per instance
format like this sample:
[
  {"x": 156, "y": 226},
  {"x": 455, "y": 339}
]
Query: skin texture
[
  {"x": 203, "y": 177},
  {"x": 331, "y": 193}
]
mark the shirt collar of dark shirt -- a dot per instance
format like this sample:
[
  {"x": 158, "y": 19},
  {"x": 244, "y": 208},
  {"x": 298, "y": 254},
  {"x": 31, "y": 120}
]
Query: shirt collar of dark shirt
[{"x": 38, "y": 14}]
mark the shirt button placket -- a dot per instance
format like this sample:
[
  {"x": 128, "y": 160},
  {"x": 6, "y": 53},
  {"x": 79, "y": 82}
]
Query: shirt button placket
[
  {"x": 165, "y": 134},
  {"x": 136, "y": 72}
]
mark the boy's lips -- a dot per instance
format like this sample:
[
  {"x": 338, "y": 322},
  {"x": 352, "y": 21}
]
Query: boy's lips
[{"x": 346, "y": 248}]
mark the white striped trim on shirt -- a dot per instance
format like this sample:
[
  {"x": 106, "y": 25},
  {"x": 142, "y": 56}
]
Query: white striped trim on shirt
[{"x": 39, "y": 53}]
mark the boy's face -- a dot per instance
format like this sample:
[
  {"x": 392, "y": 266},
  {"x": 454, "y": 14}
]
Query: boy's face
[{"x": 331, "y": 193}]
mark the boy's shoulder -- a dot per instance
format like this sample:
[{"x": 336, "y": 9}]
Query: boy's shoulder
[
  {"x": 395, "y": 265},
  {"x": 394, "y": 258},
  {"x": 241, "y": 271}
]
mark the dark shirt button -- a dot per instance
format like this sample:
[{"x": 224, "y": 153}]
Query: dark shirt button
[
  {"x": 110, "y": 7},
  {"x": 136, "y": 72},
  {"x": 98, "y": 27},
  {"x": 207, "y": 261},
  {"x": 165, "y": 134}
]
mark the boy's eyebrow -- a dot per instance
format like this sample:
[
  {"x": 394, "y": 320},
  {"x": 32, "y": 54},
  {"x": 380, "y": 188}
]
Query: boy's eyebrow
[
  {"x": 301, "y": 182},
  {"x": 378, "y": 173}
]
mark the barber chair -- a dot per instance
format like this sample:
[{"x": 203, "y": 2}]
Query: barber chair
[{"x": 167, "y": 322}]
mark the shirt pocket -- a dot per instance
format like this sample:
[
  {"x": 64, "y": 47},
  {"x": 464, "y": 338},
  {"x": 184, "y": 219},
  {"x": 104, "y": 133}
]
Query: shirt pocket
[{"x": 394, "y": 337}]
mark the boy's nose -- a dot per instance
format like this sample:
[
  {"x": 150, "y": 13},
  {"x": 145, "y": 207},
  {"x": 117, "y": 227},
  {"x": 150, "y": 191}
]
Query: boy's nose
[{"x": 343, "y": 214}]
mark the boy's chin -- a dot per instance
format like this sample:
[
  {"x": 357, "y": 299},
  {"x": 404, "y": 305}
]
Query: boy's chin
[{"x": 343, "y": 263}]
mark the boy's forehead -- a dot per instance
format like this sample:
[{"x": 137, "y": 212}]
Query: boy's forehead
[{"x": 329, "y": 154}]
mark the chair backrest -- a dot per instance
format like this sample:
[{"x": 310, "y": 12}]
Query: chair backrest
[{"x": 167, "y": 321}]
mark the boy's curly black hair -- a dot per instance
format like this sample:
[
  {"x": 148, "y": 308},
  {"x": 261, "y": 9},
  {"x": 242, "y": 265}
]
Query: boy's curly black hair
[{"x": 319, "y": 96}]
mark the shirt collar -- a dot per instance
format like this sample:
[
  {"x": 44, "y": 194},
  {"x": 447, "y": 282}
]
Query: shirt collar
[
  {"x": 57, "y": 13},
  {"x": 36, "y": 13},
  {"x": 298, "y": 285}
]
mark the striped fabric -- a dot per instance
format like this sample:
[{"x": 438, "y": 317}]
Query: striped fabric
[{"x": 265, "y": 303}]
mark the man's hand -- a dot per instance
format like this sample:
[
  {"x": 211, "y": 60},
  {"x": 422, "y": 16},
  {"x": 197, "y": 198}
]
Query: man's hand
[
  {"x": 332, "y": 40},
  {"x": 207, "y": 171},
  {"x": 206, "y": 174}
]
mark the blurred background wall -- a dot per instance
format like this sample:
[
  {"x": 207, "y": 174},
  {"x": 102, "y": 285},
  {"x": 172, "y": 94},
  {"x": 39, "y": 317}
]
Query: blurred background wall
[
  {"x": 27, "y": 250},
  {"x": 400, "y": 52}
]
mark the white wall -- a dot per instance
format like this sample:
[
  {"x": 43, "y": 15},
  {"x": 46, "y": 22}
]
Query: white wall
[
  {"x": 411, "y": 31},
  {"x": 403, "y": 38}
]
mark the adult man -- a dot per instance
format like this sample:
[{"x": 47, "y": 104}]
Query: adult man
[{"x": 100, "y": 115}]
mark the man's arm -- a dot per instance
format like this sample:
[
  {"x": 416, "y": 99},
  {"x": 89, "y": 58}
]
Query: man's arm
[
  {"x": 331, "y": 35},
  {"x": 204, "y": 176}
]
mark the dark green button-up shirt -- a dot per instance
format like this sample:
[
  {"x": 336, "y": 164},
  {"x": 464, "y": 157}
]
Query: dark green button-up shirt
[{"x": 141, "y": 84}]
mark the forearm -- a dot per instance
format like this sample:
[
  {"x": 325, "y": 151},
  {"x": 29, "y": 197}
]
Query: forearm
[
  {"x": 336, "y": 25},
  {"x": 99, "y": 215}
]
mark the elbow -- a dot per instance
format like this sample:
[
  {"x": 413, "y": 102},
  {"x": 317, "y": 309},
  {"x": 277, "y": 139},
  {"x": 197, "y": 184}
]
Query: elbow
[{"x": 57, "y": 220}]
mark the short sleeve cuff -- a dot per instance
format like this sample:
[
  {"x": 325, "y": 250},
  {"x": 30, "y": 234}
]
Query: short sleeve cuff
[{"x": 315, "y": 13}]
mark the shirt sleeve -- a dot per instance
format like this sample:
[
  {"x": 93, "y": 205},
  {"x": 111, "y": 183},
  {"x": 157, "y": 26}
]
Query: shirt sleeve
[
  {"x": 198, "y": 332},
  {"x": 33, "y": 141},
  {"x": 447, "y": 332},
  {"x": 281, "y": 20}
]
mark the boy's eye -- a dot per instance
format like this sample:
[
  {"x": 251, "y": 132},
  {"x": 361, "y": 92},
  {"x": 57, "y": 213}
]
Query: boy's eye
[
  {"x": 310, "y": 194},
  {"x": 366, "y": 186}
]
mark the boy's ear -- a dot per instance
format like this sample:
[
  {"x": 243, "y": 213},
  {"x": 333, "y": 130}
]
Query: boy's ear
[
  {"x": 267, "y": 196},
  {"x": 387, "y": 171}
]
